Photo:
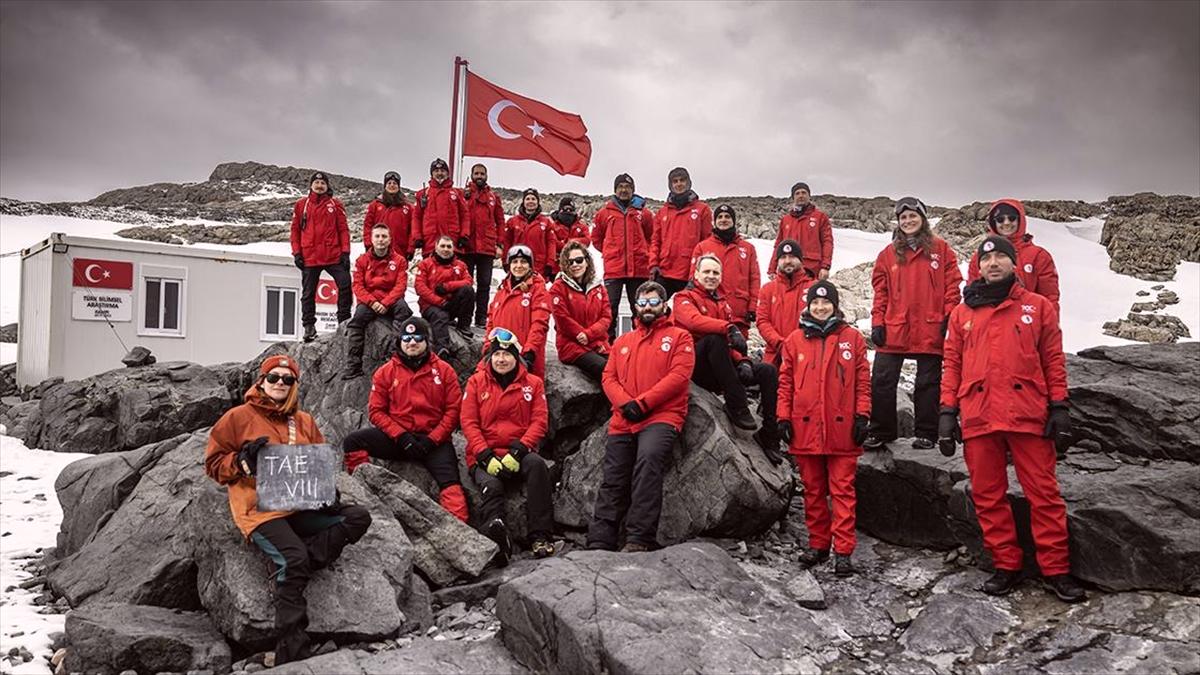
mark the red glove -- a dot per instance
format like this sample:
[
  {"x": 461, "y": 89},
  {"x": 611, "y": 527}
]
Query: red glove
[{"x": 355, "y": 459}]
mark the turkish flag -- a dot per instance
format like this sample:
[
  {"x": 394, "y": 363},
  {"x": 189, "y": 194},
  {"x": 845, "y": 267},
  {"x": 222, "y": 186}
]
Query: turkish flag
[
  {"x": 326, "y": 292},
  {"x": 90, "y": 273},
  {"x": 502, "y": 124}
]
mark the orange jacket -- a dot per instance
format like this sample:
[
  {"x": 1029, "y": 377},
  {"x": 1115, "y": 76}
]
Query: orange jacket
[
  {"x": 823, "y": 383},
  {"x": 780, "y": 304},
  {"x": 1035, "y": 265},
  {"x": 493, "y": 417},
  {"x": 426, "y": 401},
  {"x": 913, "y": 299},
  {"x": 739, "y": 274},
  {"x": 813, "y": 231},
  {"x": 676, "y": 233},
  {"x": 652, "y": 365},
  {"x": 380, "y": 279}
]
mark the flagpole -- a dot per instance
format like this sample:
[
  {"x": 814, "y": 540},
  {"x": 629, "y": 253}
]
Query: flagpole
[{"x": 459, "y": 62}]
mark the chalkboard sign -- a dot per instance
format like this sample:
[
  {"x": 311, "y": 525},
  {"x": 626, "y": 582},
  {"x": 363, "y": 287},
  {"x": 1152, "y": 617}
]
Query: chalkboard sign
[{"x": 297, "y": 477}]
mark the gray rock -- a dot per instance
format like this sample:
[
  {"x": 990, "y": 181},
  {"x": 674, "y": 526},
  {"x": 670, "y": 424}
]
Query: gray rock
[
  {"x": 903, "y": 496},
  {"x": 805, "y": 590},
  {"x": 137, "y": 357},
  {"x": 8, "y": 333},
  {"x": 577, "y": 407},
  {"x": 422, "y": 655},
  {"x": 956, "y": 624},
  {"x": 485, "y": 586},
  {"x": 108, "y": 638},
  {"x": 1147, "y": 234}
]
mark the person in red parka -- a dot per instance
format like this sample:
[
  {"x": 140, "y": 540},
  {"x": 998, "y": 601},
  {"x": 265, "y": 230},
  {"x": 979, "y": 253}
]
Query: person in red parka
[
  {"x": 739, "y": 266},
  {"x": 1006, "y": 380},
  {"x": 504, "y": 419},
  {"x": 916, "y": 281},
  {"x": 581, "y": 311},
  {"x": 487, "y": 222},
  {"x": 567, "y": 226},
  {"x": 413, "y": 408},
  {"x": 380, "y": 279},
  {"x": 393, "y": 210},
  {"x": 681, "y": 223},
  {"x": 444, "y": 294},
  {"x": 809, "y": 226},
  {"x": 522, "y": 305},
  {"x": 646, "y": 380},
  {"x": 782, "y": 300},
  {"x": 530, "y": 228},
  {"x": 320, "y": 243},
  {"x": 1035, "y": 265},
  {"x": 824, "y": 406},
  {"x": 440, "y": 210},
  {"x": 621, "y": 231}
]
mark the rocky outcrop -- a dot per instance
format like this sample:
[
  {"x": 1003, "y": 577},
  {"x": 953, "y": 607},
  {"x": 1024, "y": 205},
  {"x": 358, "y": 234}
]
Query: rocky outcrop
[
  {"x": 1151, "y": 328},
  {"x": 199, "y": 233},
  {"x": 8, "y": 333},
  {"x": 1148, "y": 234},
  {"x": 114, "y": 638},
  {"x": 424, "y": 655}
]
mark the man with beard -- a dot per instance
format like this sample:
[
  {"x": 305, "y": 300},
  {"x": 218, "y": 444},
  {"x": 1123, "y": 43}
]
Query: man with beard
[
  {"x": 441, "y": 210},
  {"x": 391, "y": 209},
  {"x": 321, "y": 243},
  {"x": 739, "y": 266},
  {"x": 444, "y": 294},
  {"x": 810, "y": 227},
  {"x": 782, "y": 300},
  {"x": 681, "y": 223},
  {"x": 487, "y": 222}
]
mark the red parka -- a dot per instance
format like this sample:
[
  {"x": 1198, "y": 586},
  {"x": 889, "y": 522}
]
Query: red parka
[
  {"x": 703, "y": 313},
  {"x": 1035, "y": 265},
  {"x": 398, "y": 218},
  {"x": 652, "y": 365},
  {"x": 578, "y": 311},
  {"x": 675, "y": 235},
  {"x": 494, "y": 417},
  {"x": 823, "y": 383},
  {"x": 780, "y": 304},
  {"x": 487, "y": 218},
  {"x": 913, "y": 299},
  {"x": 739, "y": 274},
  {"x": 537, "y": 235},
  {"x": 623, "y": 238},
  {"x": 524, "y": 310},
  {"x": 382, "y": 280},
  {"x": 440, "y": 209},
  {"x": 424, "y": 401},
  {"x": 1004, "y": 364},
  {"x": 564, "y": 233},
  {"x": 813, "y": 231},
  {"x": 431, "y": 271},
  {"x": 319, "y": 230}
]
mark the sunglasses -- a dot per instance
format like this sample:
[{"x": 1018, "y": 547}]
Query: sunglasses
[
  {"x": 505, "y": 337},
  {"x": 1004, "y": 219},
  {"x": 576, "y": 261},
  {"x": 649, "y": 302},
  {"x": 273, "y": 378},
  {"x": 412, "y": 337}
]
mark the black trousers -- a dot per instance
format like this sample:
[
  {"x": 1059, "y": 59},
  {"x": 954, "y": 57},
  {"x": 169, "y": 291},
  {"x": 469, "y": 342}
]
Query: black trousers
[
  {"x": 613, "y": 288},
  {"x": 767, "y": 379},
  {"x": 539, "y": 507},
  {"x": 673, "y": 286},
  {"x": 714, "y": 370},
  {"x": 299, "y": 545},
  {"x": 592, "y": 364},
  {"x": 309, "y": 277},
  {"x": 480, "y": 267},
  {"x": 364, "y": 315},
  {"x": 631, "y": 487},
  {"x": 458, "y": 309},
  {"x": 885, "y": 376},
  {"x": 441, "y": 462}
]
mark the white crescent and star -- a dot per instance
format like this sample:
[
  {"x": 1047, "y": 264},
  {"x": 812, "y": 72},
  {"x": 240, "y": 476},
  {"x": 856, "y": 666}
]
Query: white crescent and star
[
  {"x": 323, "y": 292},
  {"x": 535, "y": 129},
  {"x": 87, "y": 273}
]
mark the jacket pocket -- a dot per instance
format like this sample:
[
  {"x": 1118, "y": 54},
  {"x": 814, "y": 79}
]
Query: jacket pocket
[
  {"x": 973, "y": 399},
  {"x": 1029, "y": 404}
]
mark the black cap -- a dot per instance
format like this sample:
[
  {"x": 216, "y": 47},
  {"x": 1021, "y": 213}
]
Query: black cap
[
  {"x": 318, "y": 174},
  {"x": 788, "y": 247},
  {"x": 391, "y": 175},
  {"x": 725, "y": 208},
  {"x": 797, "y": 186},
  {"x": 998, "y": 243},
  {"x": 823, "y": 289},
  {"x": 413, "y": 325},
  {"x": 438, "y": 163},
  {"x": 565, "y": 202},
  {"x": 623, "y": 178},
  {"x": 531, "y": 191}
]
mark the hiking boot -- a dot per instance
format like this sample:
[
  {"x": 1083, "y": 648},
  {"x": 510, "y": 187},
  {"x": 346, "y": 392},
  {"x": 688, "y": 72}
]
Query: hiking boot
[
  {"x": 497, "y": 531},
  {"x": 741, "y": 418},
  {"x": 874, "y": 444},
  {"x": 813, "y": 556},
  {"x": 465, "y": 331},
  {"x": 352, "y": 373},
  {"x": 923, "y": 444},
  {"x": 310, "y": 333},
  {"x": 1002, "y": 582},
  {"x": 842, "y": 567},
  {"x": 542, "y": 548},
  {"x": 634, "y": 547},
  {"x": 769, "y": 444},
  {"x": 1065, "y": 587}
]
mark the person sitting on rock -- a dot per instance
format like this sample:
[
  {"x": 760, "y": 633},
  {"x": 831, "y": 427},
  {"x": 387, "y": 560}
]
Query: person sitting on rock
[
  {"x": 522, "y": 305},
  {"x": 504, "y": 419},
  {"x": 782, "y": 300},
  {"x": 739, "y": 266},
  {"x": 413, "y": 408},
  {"x": 824, "y": 406},
  {"x": 393, "y": 210},
  {"x": 530, "y": 228},
  {"x": 320, "y": 243},
  {"x": 582, "y": 314},
  {"x": 440, "y": 211},
  {"x": 298, "y": 543},
  {"x": 681, "y": 223},
  {"x": 1035, "y": 265},
  {"x": 721, "y": 363},
  {"x": 1006, "y": 380},
  {"x": 808, "y": 225},
  {"x": 646, "y": 380},
  {"x": 621, "y": 231},
  {"x": 380, "y": 279},
  {"x": 916, "y": 282},
  {"x": 444, "y": 294}
]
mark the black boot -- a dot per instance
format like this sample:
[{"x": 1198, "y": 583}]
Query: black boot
[
  {"x": 813, "y": 556},
  {"x": 923, "y": 444},
  {"x": 741, "y": 418},
  {"x": 769, "y": 442},
  {"x": 497, "y": 531},
  {"x": 310, "y": 333},
  {"x": 842, "y": 567},
  {"x": 1065, "y": 587},
  {"x": 874, "y": 444},
  {"x": 1002, "y": 582}
]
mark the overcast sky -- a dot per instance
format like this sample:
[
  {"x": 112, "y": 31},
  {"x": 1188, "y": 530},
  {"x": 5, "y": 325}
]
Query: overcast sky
[{"x": 952, "y": 102}]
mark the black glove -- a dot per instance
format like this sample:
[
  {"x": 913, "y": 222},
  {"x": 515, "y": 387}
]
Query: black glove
[
  {"x": 547, "y": 272},
  {"x": 751, "y": 317},
  {"x": 405, "y": 440},
  {"x": 655, "y": 275},
  {"x": 737, "y": 341},
  {"x": 344, "y": 260},
  {"x": 633, "y": 412},
  {"x": 879, "y": 336},
  {"x": 945, "y": 326},
  {"x": 441, "y": 289},
  {"x": 785, "y": 431},
  {"x": 949, "y": 433},
  {"x": 1058, "y": 427},
  {"x": 529, "y": 358},
  {"x": 859, "y": 432},
  {"x": 745, "y": 372},
  {"x": 420, "y": 243},
  {"x": 298, "y": 259},
  {"x": 463, "y": 243},
  {"x": 422, "y": 445},
  {"x": 518, "y": 450},
  {"x": 247, "y": 457}
]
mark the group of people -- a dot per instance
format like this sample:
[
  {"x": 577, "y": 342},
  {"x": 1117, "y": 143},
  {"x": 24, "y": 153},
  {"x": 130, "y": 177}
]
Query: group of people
[{"x": 990, "y": 368}]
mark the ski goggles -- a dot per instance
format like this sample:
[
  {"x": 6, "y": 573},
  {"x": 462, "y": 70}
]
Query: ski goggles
[
  {"x": 911, "y": 204},
  {"x": 504, "y": 337},
  {"x": 649, "y": 302},
  {"x": 519, "y": 251},
  {"x": 412, "y": 337},
  {"x": 273, "y": 378}
]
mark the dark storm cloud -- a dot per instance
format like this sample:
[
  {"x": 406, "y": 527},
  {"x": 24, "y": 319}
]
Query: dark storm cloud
[{"x": 951, "y": 101}]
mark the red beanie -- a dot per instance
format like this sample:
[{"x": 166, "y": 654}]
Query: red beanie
[{"x": 280, "y": 361}]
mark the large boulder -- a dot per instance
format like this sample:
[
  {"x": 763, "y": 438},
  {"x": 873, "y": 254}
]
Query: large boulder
[
  {"x": 423, "y": 655},
  {"x": 114, "y": 638},
  {"x": 577, "y": 407},
  {"x": 718, "y": 482},
  {"x": 904, "y": 497}
]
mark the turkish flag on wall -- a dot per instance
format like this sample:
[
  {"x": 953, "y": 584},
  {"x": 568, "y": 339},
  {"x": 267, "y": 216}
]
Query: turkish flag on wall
[
  {"x": 89, "y": 273},
  {"x": 502, "y": 124},
  {"x": 327, "y": 292}
]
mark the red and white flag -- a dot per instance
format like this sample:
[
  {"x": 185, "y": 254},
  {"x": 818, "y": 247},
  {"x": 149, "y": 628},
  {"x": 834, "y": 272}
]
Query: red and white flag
[
  {"x": 327, "y": 292},
  {"x": 89, "y": 273},
  {"x": 505, "y": 125}
]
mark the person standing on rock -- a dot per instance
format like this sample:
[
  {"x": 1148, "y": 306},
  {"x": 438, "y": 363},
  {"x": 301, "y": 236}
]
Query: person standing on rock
[
  {"x": 504, "y": 419},
  {"x": 393, "y": 210},
  {"x": 567, "y": 226},
  {"x": 487, "y": 222},
  {"x": 582, "y": 314},
  {"x": 440, "y": 210},
  {"x": 522, "y": 306},
  {"x": 646, "y": 380},
  {"x": 380, "y": 279},
  {"x": 444, "y": 294},
  {"x": 530, "y": 228},
  {"x": 739, "y": 266},
  {"x": 1004, "y": 394},
  {"x": 810, "y": 227},
  {"x": 413, "y": 408},
  {"x": 782, "y": 300},
  {"x": 298, "y": 543},
  {"x": 916, "y": 282},
  {"x": 824, "y": 406},
  {"x": 722, "y": 366},
  {"x": 320, "y": 243},
  {"x": 1035, "y": 265},
  {"x": 681, "y": 223},
  {"x": 621, "y": 231}
]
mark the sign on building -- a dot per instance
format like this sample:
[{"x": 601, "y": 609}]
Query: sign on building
[
  {"x": 101, "y": 305},
  {"x": 326, "y": 306},
  {"x": 297, "y": 477}
]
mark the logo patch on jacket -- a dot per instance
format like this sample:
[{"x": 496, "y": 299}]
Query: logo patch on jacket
[
  {"x": 847, "y": 355},
  {"x": 527, "y": 393},
  {"x": 1028, "y": 268}
]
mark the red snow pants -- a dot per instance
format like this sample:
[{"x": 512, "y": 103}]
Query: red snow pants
[{"x": 829, "y": 478}]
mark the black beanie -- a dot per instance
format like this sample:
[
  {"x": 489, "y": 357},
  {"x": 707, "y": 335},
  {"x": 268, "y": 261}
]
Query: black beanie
[
  {"x": 678, "y": 172},
  {"x": 797, "y": 186},
  {"x": 725, "y": 208},
  {"x": 564, "y": 202},
  {"x": 414, "y": 325},
  {"x": 531, "y": 191},
  {"x": 321, "y": 175},
  {"x": 438, "y": 163},
  {"x": 495, "y": 345},
  {"x": 998, "y": 243},
  {"x": 823, "y": 289},
  {"x": 788, "y": 246},
  {"x": 623, "y": 178},
  {"x": 391, "y": 175}
]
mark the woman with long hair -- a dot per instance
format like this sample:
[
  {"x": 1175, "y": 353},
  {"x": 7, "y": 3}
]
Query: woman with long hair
[{"x": 582, "y": 313}]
